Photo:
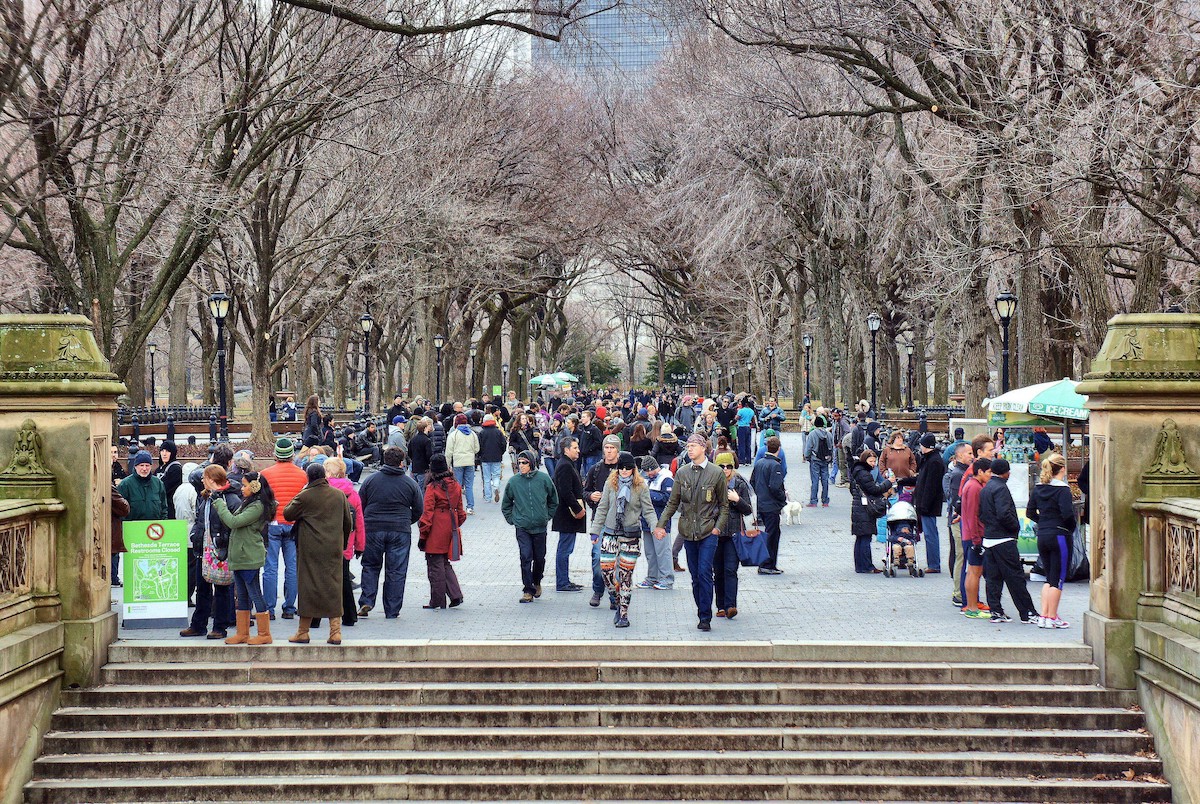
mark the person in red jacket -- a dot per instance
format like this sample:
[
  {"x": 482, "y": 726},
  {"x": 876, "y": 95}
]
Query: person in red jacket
[
  {"x": 972, "y": 536},
  {"x": 286, "y": 479},
  {"x": 440, "y": 537}
]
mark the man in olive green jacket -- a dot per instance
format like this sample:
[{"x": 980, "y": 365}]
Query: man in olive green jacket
[
  {"x": 699, "y": 495},
  {"x": 528, "y": 504}
]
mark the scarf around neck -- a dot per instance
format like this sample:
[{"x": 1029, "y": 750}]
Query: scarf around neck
[{"x": 624, "y": 494}]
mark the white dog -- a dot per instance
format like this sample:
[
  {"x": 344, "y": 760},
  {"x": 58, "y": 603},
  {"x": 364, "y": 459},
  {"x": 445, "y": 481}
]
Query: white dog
[{"x": 791, "y": 513}]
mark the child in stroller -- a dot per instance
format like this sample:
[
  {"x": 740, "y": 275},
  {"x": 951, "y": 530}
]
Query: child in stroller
[{"x": 903, "y": 532}]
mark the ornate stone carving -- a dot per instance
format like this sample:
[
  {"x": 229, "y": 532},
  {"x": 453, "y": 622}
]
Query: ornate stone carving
[
  {"x": 27, "y": 452},
  {"x": 1181, "y": 555},
  {"x": 1129, "y": 347},
  {"x": 1169, "y": 457},
  {"x": 14, "y": 557},
  {"x": 101, "y": 521}
]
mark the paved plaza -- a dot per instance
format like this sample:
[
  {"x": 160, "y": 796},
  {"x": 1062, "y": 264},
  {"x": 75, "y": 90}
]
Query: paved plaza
[{"x": 819, "y": 596}]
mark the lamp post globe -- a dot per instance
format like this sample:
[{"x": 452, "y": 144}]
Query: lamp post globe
[
  {"x": 1006, "y": 308},
  {"x": 365, "y": 323},
  {"x": 152, "y": 347},
  {"x": 438, "y": 343},
  {"x": 873, "y": 324},
  {"x": 218, "y": 307}
]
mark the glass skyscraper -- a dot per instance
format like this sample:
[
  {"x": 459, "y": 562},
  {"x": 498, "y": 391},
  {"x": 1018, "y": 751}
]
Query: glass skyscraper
[{"x": 625, "y": 42}]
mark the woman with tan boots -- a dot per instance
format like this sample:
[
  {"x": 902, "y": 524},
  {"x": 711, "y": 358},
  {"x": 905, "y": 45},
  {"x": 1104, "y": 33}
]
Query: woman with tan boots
[
  {"x": 247, "y": 552},
  {"x": 323, "y": 525}
]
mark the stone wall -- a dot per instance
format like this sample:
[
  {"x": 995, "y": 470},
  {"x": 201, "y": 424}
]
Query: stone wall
[{"x": 57, "y": 400}]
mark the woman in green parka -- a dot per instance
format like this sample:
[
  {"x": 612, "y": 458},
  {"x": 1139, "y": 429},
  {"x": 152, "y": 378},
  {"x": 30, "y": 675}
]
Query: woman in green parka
[{"x": 247, "y": 554}]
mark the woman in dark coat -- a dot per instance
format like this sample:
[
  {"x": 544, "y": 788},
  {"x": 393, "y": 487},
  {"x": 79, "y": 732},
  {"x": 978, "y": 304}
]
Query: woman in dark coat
[
  {"x": 862, "y": 488},
  {"x": 120, "y": 510},
  {"x": 323, "y": 525},
  {"x": 440, "y": 535},
  {"x": 312, "y": 422}
]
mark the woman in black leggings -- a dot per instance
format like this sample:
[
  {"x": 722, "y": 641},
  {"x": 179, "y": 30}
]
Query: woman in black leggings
[{"x": 1053, "y": 509}]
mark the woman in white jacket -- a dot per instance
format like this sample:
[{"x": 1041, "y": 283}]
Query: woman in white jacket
[{"x": 462, "y": 446}]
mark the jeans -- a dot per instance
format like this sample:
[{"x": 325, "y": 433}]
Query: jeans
[
  {"x": 700, "y": 563},
  {"x": 658, "y": 559},
  {"x": 247, "y": 591},
  {"x": 354, "y": 468},
  {"x": 491, "y": 479},
  {"x": 588, "y": 462},
  {"x": 770, "y": 521},
  {"x": 115, "y": 578},
  {"x": 818, "y": 473},
  {"x": 597, "y": 575},
  {"x": 214, "y": 601},
  {"x": 725, "y": 573},
  {"x": 548, "y": 462},
  {"x": 745, "y": 443},
  {"x": 833, "y": 471},
  {"x": 279, "y": 538},
  {"x": 933, "y": 546},
  {"x": 392, "y": 547},
  {"x": 465, "y": 475},
  {"x": 532, "y": 547},
  {"x": 562, "y": 560},
  {"x": 862, "y": 553}
]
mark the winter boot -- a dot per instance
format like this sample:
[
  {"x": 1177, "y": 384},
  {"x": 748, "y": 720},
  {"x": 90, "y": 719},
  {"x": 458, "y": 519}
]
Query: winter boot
[
  {"x": 335, "y": 631},
  {"x": 301, "y": 636},
  {"x": 243, "y": 629},
  {"x": 263, "y": 620}
]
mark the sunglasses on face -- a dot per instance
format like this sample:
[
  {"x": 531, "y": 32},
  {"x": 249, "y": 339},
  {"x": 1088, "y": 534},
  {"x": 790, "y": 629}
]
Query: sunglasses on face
[{"x": 522, "y": 463}]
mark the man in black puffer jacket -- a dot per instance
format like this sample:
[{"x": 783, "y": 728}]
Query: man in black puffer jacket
[
  {"x": 1001, "y": 559},
  {"x": 928, "y": 499}
]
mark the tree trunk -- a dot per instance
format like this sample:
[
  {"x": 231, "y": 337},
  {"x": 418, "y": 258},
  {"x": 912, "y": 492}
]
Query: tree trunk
[
  {"x": 177, "y": 355},
  {"x": 340, "y": 348}
]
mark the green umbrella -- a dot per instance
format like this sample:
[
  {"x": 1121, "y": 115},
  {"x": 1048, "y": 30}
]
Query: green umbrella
[
  {"x": 546, "y": 379},
  {"x": 1061, "y": 401},
  {"x": 566, "y": 376}
]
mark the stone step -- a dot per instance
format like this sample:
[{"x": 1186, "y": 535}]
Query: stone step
[
  {"x": 712, "y": 715},
  {"x": 567, "y": 738},
  {"x": 597, "y": 787},
  {"x": 242, "y": 670},
  {"x": 533, "y": 651},
  {"x": 629, "y": 694},
  {"x": 540, "y": 763}
]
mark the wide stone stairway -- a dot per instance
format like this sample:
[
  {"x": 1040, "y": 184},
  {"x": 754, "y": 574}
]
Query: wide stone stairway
[{"x": 581, "y": 721}]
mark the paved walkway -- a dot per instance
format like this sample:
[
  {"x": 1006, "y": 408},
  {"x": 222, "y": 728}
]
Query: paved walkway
[{"x": 819, "y": 596}]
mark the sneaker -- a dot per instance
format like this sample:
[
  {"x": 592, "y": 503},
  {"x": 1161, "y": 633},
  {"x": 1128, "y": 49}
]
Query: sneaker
[
  {"x": 594, "y": 601},
  {"x": 769, "y": 571},
  {"x": 957, "y": 603},
  {"x": 824, "y": 505},
  {"x": 363, "y": 611},
  {"x": 647, "y": 584},
  {"x": 622, "y": 622},
  {"x": 933, "y": 572},
  {"x": 720, "y": 612},
  {"x": 1057, "y": 623},
  {"x": 662, "y": 587},
  {"x": 526, "y": 598},
  {"x": 470, "y": 511},
  {"x": 980, "y": 606},
  {"x": 1000, "y": 617},
  {"x": 812, "y": 505},
  {"x": 979, "y": 614}
]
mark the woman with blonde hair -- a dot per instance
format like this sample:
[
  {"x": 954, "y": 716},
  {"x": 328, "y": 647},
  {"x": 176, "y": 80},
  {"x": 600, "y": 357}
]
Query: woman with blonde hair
[
  {"x": 335, "y": 470},
  {"x": 617, "y": 523},
  {"x": 1053, "y": 509}
]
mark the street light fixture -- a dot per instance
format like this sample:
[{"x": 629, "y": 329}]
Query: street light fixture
[
  {"x": 152, "y": 348},
  {"x": 1006, "y": 306},
  {"x": 749, "y": 376},
  {"x": 218, "y": 307},
  {"x": 504, "y": 379},
  {"x": 366, "y": 323},
  {"x": 521, "y": 383},
  {"x": 807, "y": 340},
  {"x": 472, "y": 352},
  {"x": 771, "y": 371},
  {"x": 909, "y": 348},
  {"x": 873, "y": 324},
  {"x": 438, "y": 343}
]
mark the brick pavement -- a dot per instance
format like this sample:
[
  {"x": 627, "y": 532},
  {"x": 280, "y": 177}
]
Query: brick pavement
[{"x": 819, "y": 596}]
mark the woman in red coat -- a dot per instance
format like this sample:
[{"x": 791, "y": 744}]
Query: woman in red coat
[{"x": 441, "y": 539}]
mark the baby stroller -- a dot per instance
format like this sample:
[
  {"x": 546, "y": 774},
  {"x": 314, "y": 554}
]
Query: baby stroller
[{"x": 903, "y": 534}]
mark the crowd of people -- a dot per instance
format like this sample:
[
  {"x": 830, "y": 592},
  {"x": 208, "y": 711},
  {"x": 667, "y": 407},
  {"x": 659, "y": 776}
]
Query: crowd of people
[{"x": 639, "y": 473}]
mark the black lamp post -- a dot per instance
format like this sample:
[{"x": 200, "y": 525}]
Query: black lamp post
[
  {"x": 473, "y": 351},
  {"x": 438, "y": 343},
  {"x": 521, "y": 382},
  {"x": 749, "y": 377},
  {"x": 908, "y": 384},
  {"x": 366, "y": 322},
  {"x": 807, "y": 340},
  {"x": 1006, "y": 306},
  {"x": 218, "y": 306},
  {"x": 771, "y": 371},
  {"x": 873, "y": 324},
  {"x": 152, "y": 348},
  {"x": 504, "y": 380}
]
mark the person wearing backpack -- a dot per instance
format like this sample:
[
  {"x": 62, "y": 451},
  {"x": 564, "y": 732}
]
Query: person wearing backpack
[{"x": 818, "y": 451}]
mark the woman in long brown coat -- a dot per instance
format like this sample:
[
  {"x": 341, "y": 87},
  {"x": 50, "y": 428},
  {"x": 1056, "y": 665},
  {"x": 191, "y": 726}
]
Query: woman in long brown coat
[{"x": 323, "y": 524}]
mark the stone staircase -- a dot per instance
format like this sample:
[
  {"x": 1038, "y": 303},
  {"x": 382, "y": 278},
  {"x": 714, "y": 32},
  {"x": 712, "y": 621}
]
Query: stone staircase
[{"x": 614, "y": 720}]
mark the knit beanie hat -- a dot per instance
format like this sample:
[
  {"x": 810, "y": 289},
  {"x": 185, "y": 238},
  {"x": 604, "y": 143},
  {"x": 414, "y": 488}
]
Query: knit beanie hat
[
  {"x": 625, "y": 461},
  {"x": 284, "y": 449},
  {"x": 724, "y": 459},
  {"x": 612, "y": 440},
  {"x": 142, "y": 457},
  {"x": 929, "y": 440},
  {"x": 648, "y": 463}
]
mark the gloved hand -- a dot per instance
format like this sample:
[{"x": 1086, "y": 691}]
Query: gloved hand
[{"x": 421, "y": 545}]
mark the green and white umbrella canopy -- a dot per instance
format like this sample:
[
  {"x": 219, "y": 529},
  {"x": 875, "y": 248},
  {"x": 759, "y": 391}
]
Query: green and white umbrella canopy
[
  {"x": 566, "y": 376},
  {"x": 1055, "y": 400},
  {"x": 547, "y": 379}
]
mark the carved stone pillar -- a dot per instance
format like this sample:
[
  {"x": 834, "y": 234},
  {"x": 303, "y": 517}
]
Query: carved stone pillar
[
  {"x": 57, "y": 398},
  {"x": 1144, "y": 393}
]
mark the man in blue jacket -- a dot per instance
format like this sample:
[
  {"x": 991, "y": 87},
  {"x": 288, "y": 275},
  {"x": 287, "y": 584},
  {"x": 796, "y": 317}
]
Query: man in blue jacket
[{"x": 767, "y": 481}]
